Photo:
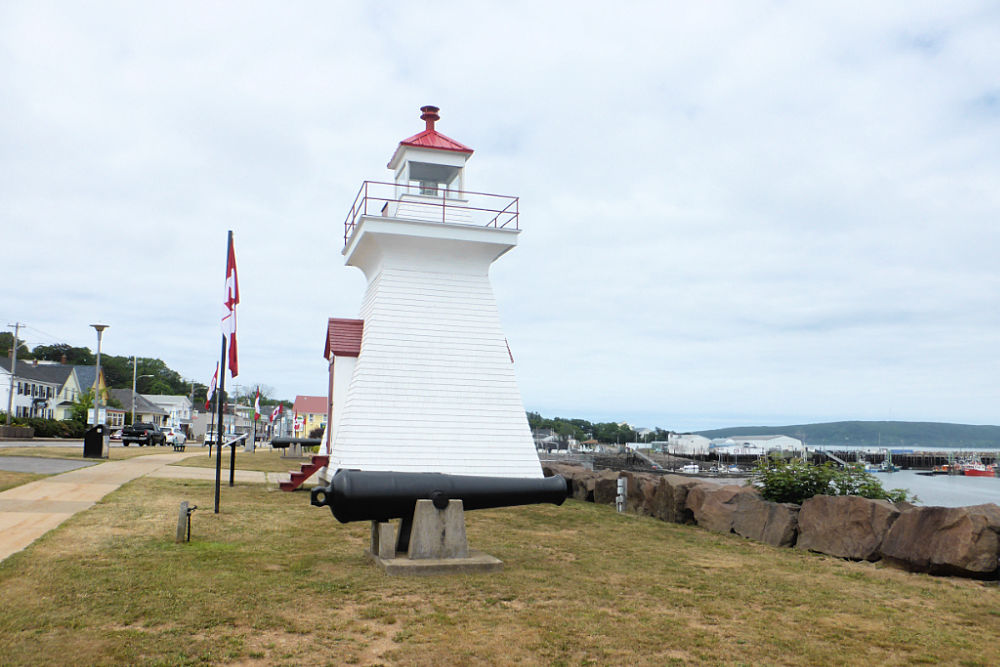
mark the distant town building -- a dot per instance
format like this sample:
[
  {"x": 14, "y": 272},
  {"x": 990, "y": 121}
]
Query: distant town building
[
  {"x": 178, "y": 408},
  {"x": 309, "y": 414},
  {"x": 44, "y": 390},
  {"x": 145, "y": 411},
  {"x": 756, "y": 444},
  {"x": 688, "y": 444}
]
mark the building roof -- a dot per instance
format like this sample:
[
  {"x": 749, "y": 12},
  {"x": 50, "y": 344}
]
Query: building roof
[
  {"x": 309, "y": 405},
  {"x": 85, "y": 375},
  {"x": 343, "y": 337},
  {"x": 56, "y": 374},
  {"x": 142, "y": 406},
  {"x": 163, "y": 400},
  {"x": 430, "y": 138}
]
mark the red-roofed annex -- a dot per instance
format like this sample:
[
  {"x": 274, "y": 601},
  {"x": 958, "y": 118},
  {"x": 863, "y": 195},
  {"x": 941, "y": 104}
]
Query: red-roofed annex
[{"x": 343, "y": 338}]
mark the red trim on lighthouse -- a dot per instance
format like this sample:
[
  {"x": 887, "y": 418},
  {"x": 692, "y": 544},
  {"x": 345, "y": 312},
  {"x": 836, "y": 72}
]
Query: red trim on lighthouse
[{"x": 431, "y": 138}]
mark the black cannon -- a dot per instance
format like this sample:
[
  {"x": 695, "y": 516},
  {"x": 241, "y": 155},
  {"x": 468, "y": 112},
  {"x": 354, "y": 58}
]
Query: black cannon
[
  {"x": 356, "y": 495},
  {"x": 283, "y": 443}
]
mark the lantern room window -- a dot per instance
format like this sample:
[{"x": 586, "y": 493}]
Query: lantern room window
[{"x": 435, "y": 179}]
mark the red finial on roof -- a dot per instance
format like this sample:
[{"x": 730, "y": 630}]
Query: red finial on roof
[
  {"x": 429, "y": 138},
  {"x": 430, "y": 115}
]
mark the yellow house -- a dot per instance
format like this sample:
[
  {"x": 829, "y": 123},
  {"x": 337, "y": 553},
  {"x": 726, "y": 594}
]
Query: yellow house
[{"x": 310, "y": 412}]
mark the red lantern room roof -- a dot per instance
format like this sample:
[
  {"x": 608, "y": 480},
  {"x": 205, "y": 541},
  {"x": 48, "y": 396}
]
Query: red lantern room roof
[{"x": 431, "y": 138}]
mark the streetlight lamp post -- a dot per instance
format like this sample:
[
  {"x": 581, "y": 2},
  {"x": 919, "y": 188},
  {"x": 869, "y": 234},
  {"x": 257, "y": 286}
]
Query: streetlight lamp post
[
  {"x": 97, "y": 387},
  {"x": 134, "y": 363}
]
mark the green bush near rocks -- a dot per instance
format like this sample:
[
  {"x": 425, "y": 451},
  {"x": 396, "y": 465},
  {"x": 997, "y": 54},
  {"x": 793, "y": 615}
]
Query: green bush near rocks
[{"x": 796, "y": 481}]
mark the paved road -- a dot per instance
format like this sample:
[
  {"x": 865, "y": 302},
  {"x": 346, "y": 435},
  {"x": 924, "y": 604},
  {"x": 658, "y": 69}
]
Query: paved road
[
  {"x": 41, "y": 466},
  {"x": 60, "y": 442}
]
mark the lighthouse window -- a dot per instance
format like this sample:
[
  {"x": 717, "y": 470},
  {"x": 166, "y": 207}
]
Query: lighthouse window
[{"x": 432, "y": 179}]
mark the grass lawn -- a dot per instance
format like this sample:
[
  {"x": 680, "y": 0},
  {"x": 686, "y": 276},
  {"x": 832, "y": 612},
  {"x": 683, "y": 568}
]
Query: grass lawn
[
  {"x": 8, "y": 479},
  {"x": 263, "y": 460},
  {"x": 76, "y": 453},
  {"x": 272, "y": 580}
]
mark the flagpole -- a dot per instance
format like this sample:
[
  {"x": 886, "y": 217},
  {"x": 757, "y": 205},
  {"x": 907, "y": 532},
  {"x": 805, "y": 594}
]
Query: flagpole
[
  {"x": 211, "y": 425},
  {"x": 220, "y": 423},
  {"x": 253, "y": 439},
  {"x": 219, "y": 400}
]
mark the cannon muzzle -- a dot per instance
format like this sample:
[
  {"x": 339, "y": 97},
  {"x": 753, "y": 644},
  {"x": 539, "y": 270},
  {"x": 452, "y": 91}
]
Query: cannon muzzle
[{"x": 356, "y": 495}]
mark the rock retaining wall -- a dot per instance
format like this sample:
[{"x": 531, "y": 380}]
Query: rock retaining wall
[
  {"x": 16, "y": 433},
  {"x": 957, "y": 541}
]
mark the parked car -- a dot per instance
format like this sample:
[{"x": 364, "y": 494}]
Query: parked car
[
  {"x": 142, "y": 433},
  {"x": 174, "y": 436},
  {"x": 116, "y": 434}
]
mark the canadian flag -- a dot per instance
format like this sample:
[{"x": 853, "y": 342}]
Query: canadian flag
[
  {"x": 211, "y": 388},
  {"x": 276, "y": 412},
  {"x": 230, "y": 302},
  {"x": 256, "y": 406}
]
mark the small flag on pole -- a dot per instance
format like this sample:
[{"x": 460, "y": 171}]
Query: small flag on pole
[
  {"x": 256, "y": 406},
  {"x": 230, "y": 302},
  {"x": 211, "y": 388},
  {"x": 276, "y": 412}
]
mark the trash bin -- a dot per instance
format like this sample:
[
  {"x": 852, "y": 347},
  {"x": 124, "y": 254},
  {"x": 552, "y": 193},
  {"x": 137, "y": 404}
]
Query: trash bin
[{"x": 95, "y": 442}]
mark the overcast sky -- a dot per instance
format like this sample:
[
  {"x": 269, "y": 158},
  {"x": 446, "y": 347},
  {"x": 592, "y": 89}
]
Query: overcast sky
[{"x": 733, "y": 212}]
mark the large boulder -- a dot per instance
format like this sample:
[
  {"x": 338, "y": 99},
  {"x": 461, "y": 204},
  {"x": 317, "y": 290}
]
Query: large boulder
[
  {"x": 606, "y": 487},
  {"x": 961, "y": 541},
  {"x": 765, "y": 521},
  {"x": 714, "y": 507},
  {"x": 641, "y": 491},
  {"x": 669, "y": 502},
  {"x": 845, "y": 526}
]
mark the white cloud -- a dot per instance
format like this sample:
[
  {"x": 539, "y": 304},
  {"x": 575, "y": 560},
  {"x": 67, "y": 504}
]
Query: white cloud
[{"x": 732, "y": 211}]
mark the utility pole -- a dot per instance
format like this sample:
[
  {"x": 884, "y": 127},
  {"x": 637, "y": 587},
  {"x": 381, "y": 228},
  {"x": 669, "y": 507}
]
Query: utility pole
[
  {"x": 135, "y": 363},
  {"x": 13, "y": 370}
]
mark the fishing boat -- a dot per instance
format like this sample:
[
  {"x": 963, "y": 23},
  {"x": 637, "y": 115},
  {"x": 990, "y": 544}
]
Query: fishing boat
[
  {"x": 979, "y": 469},
  {"x": 690, "y": 468}
]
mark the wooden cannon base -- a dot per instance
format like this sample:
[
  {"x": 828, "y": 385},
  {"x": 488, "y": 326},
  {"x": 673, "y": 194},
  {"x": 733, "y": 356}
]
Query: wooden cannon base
[{"x": 433, "y": 542}]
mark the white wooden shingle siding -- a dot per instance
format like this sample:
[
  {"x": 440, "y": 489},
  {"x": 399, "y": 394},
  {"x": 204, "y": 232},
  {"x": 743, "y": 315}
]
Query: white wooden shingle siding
[{"x": 433, "y": 389}]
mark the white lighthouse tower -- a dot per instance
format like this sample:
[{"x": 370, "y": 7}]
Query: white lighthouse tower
[{"x": 432, "y": 387}]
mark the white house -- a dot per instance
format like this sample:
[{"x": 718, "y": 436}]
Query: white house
[
  {"x": 178, "y": 408},
  {"x": 40, "y": 389}
]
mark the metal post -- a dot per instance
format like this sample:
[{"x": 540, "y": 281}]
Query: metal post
[
  {"x": 135, "y": 362},
  {"x": 97, "y": 379}
]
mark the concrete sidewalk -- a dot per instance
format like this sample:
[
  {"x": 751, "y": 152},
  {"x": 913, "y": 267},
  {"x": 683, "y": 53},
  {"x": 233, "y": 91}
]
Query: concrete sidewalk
[{"x": 29, "y": 511}]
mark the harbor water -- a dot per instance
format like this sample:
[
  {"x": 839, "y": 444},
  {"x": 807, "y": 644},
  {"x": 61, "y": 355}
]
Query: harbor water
[{"x": 944, "y": 490}]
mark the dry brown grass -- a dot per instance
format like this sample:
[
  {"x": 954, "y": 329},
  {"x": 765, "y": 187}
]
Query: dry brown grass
[
  {"x": 8, "y": 479},
  {"x": 76, "y": 453},
  {"x": 272, "y": 580},
  {"x": 262, "y": 460}
]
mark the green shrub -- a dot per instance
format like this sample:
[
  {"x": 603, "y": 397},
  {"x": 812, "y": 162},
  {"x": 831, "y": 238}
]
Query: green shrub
[
  {"x": 796, "y": 481},
  {"x": 52, "y": 428}
]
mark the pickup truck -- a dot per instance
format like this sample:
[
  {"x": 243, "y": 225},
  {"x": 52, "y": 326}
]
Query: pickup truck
[{"x": 143, "y": 433}]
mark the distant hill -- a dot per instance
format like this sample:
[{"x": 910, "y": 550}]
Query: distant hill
[{"x": 901, "y": 435}]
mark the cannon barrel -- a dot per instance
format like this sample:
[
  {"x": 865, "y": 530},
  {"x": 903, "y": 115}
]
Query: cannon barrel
[
  {"x": 280, "y": 442},
  {"x": 356, "y": 495}
]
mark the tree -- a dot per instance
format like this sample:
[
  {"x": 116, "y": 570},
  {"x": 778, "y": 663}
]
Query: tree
[
  {"x": 61, "y": 352},
  {"x": 82, "y": 406},
  {"x": 7, "y": 342}
]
